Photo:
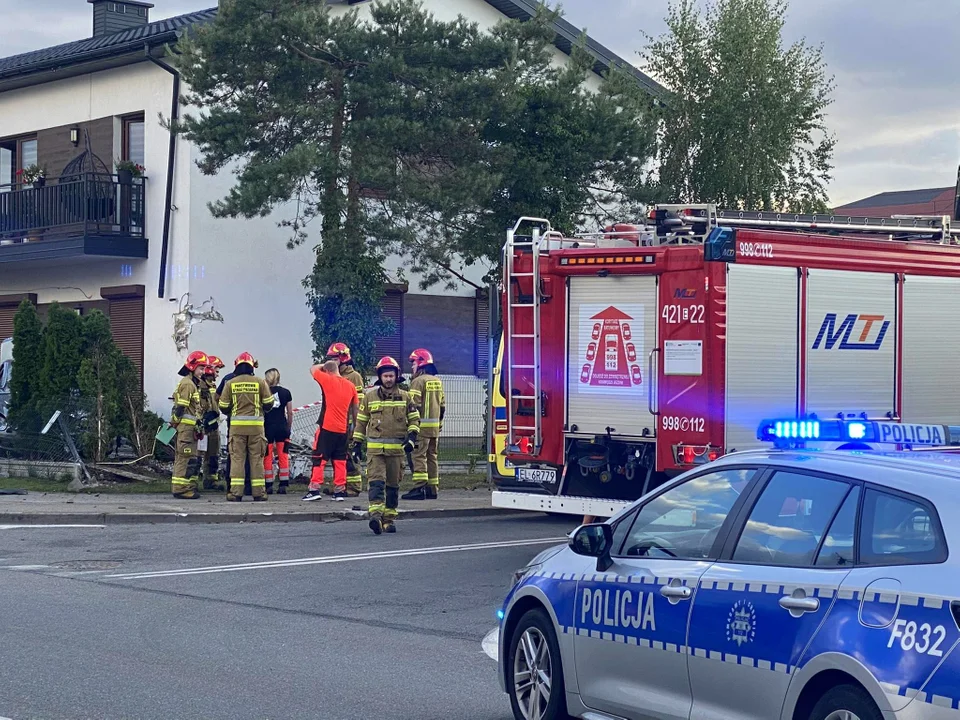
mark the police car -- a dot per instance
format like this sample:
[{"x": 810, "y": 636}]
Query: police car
[{"x": 786, "y": 583}]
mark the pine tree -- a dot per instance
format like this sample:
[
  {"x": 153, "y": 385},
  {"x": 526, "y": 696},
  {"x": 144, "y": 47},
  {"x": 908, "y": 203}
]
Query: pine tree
[{"x": 97, "y": 378}]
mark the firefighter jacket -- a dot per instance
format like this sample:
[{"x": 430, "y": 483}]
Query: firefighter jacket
[
  {"x": 426, "y": 390},
  {"x": 209, "y": 402},
  {"x": 385, "y": 419},
  {"x": 187, "y": 406},
  {"x": 244, "y": 401},
  {"x": 351, "y": 374}
]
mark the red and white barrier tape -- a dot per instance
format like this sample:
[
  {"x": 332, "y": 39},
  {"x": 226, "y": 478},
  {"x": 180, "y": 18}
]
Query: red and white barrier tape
[{"x": 307, "y": 407}]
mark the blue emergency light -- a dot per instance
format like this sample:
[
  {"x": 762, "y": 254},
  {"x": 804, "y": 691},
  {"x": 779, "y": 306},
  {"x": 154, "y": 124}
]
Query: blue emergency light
[{"x": 799, "y": 431}]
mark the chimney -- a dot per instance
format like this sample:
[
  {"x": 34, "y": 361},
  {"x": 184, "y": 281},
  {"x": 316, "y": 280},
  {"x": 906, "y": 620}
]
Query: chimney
[{"x": 117, "y": 15}]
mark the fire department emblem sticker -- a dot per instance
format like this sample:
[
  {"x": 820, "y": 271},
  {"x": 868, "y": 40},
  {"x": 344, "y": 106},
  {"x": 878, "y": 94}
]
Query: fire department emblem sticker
[
  {"x": 611, "y": 352},
  {"x": 742, "y": 623}
]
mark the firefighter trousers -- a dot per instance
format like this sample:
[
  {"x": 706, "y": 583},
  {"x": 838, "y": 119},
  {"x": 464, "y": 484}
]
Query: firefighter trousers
[
  {"x": 354, "y": 478},
  {"x": 186, "y": 462},
  {"x": 383, "y": 474},
  {"x": 211, "y": 459},
  {"x": 244, "y": 449},
  {"x": 426, "y": 469}
]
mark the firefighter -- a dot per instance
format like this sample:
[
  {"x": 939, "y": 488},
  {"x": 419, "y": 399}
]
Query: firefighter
[
  {"x": 244, "y": 400},
  {"x": 426, "y": 389},
  {"x": 341, "y": 353},
  {"x": 187, "y": 410},
  {"x": 390, "y": 423},
  {"x": 210, "y": 462}
]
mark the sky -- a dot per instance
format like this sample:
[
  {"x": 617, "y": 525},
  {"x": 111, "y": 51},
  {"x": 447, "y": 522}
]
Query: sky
[{"x": 896, "y": 109}]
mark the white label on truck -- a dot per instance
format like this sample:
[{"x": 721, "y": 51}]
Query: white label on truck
[{"x": 683, "y": 357}]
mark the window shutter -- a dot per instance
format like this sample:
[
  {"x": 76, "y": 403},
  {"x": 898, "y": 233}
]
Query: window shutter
[
  {"x": 9, "y": 304},
  {"x": 126, "y": 321},
  {"x": 483, "y": 334},
  {"x": 391, "y": 306}
]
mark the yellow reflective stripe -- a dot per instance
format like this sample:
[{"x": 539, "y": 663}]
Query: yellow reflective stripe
[
  {"x": 378, "y": 404},
  {"x": 362, "y": 418},
  {"x": 247, "y": 417},
  {"x": 373, "y": 445},
  {"x": 358, "y": 436},
  {"x": 187, "y": 421},
  {"x": 412, "y": 428},
  {"x": 413, "y": 415},
  {"x": 376, "y": 508},
  {"x": 185, "y": 403},
  {"x": 419, "y": 477},
  {"x": 416, "y": 394},
  {"x": 223, "y": 404},
  {"x": 246, "y": 423},
  {"x": 430, "y": 423}
]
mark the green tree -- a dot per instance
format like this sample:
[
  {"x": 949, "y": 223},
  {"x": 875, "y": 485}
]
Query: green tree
[
  {"x": 97, "y": 380},
  {"x": 62, "y": 352},
  {"x": 27, "y": 360},
  {"x": 744, "y": 124},
  {"x": 328, "y": 110},
  {"x": 548, "y": 144}
]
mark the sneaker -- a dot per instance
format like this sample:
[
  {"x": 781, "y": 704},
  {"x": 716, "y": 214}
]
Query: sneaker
[
  {"x": 376, "y": 524},
  {"x": 339, "y": 496},
  {"x": 312, "y": 495}
]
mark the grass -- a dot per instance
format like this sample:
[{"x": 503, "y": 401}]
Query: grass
[{"x": 460, "y": 481}]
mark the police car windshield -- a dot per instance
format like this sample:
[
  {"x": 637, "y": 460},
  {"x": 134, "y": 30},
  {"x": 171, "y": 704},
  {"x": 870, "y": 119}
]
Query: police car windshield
[{"x": 684, "y": 521}]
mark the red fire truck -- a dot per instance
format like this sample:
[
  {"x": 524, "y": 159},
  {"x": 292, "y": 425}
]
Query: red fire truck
[{"x": 633, "y": 355}]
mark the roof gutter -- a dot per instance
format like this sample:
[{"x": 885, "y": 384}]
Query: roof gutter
[{"x": 171, "y": 164}]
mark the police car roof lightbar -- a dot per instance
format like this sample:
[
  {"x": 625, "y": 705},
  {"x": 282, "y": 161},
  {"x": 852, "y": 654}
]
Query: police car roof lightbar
[{"x": 794, "y": 432}]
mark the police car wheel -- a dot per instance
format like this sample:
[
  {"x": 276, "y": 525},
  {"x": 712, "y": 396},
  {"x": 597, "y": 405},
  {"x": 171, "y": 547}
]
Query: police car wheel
[
  {"x": 534, "y": 671},
  {"x": 846, "y": 702}
]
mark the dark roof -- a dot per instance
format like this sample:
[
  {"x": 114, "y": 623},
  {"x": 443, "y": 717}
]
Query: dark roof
[
  {"x": 898, "y": 197},
  {"x": 83, "y": 55}
]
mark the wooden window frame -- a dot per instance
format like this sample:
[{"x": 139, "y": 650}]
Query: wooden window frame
[
  {"x": 19, "y": 140},
  {"x": 125, "y": 123}
]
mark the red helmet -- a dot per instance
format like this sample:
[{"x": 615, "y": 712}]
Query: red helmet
[
  {"x": 195, "y": 360},
  {"x": 421, "y": 357},
  {"x": 247, "y": 358},
  {"x": 339, "y": 351},
  {"x": 388, "y": 363},
  {"x": 215, "y": 362}
]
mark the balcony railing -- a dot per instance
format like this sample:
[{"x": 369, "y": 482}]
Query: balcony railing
[{"x": 86, "y": 206}]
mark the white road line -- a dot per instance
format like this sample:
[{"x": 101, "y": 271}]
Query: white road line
[
  {"x": 297, "y": 562},
  {"x": 32, "y": 527},
  {"x": 23, "y": 567}
]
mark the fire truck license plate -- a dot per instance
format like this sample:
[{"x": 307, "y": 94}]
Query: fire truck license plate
[{"x": 537, "y": 475}]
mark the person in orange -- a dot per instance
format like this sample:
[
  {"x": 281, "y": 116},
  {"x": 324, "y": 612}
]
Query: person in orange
[{"x": 338, "y": 416}]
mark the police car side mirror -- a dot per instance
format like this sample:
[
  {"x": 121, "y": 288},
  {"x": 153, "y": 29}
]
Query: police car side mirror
[{"x": 594, "y": 540}]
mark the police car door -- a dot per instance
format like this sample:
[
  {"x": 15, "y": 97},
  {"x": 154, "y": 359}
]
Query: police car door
[
  {"x": 631, "y": 622},
  {"x": 758, "y": 608}
]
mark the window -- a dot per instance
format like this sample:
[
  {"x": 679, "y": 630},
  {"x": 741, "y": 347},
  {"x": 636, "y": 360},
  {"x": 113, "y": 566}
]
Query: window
[
  {"x": 789, "y": 518},
  {"x": 133, "y": 138},
  {"x": 837, "y": 548},
  {"x": 684, "y": 521},
  {"x": 16, "y": 154},
  {"x": 899, "y": 530}
]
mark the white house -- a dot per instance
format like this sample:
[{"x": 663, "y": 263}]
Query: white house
[{"x": 134, "y": 250}]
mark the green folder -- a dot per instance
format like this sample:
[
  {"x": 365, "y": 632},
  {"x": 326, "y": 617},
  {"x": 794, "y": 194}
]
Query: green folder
[{"x": 166, "y": 433}]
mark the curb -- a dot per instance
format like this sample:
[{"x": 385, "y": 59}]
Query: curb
[{"x": 155, "y": 518}]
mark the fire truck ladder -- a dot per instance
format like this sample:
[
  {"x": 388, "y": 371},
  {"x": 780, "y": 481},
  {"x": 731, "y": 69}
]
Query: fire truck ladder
[
  {"x": 525, "y": 306},
  {"x": 692, "y": 224}
]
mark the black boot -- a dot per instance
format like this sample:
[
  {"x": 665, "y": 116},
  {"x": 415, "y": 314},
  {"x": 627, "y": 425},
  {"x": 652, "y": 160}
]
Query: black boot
[
  {"x": 417, "y": 493},
  {"x": 376, "y": 524},
  {"x": 432, "y": 491},
  {"x": 269, "y": 488},
  {"x": 282, "y": 488}
]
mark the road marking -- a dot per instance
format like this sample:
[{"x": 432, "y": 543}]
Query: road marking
[
  {"x": 32, "y": 527},
  {"x": 491, "y": 644},
  {"x": 297, "y": 562},
  {"x": 24, "y": 567}
]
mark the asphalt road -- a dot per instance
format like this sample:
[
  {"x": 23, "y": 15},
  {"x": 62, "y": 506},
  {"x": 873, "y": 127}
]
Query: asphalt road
[{"x": 259, "y": 621}]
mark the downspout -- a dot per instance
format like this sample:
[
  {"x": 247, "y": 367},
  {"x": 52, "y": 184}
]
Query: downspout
[{"x": 171, "y": 158}]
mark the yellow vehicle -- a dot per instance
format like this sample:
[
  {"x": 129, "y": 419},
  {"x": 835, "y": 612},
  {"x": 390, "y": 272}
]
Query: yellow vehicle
[{"x": 500, "y": 469}]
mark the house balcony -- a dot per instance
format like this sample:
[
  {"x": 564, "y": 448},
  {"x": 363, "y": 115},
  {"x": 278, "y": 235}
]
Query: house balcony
[{"x": 76, "y": 217}]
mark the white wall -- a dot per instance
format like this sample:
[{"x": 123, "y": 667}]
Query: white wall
[{"x": 143, "y": 87}]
